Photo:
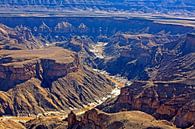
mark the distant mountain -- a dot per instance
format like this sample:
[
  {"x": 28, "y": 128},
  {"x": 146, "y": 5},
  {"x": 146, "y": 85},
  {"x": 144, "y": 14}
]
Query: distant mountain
[
  {"x": 163, "y": 6},
  {"x": 96, "y": 2}
]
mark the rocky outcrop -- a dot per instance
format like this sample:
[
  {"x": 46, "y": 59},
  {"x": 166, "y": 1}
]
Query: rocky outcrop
[
  {"x": 164, "y": 100},
  {"x": 82, "y": 28},
  {"x": 180, "y": 109},
  {"x": 44, "y": 28},
  {"x": 82, "y": 45},
  {"x": 17, "y": 38},
  {"x": 72, "y": 119},
  {"x": 46, "y": 123},
  {"x": 146, "y": 56},
  {"x": 17, "y": 68},
  {"x": 49, "y": 79},
  {"x": 131, "y": 55},
  {"x": 64, "y": 27},
  {"x": 96, "y": 119}
]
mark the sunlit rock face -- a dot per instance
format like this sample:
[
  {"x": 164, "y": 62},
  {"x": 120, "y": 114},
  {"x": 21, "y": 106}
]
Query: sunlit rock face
[
  {"x": 128, "y": 119},
  {"x": 23, "y": 65},
  {"x": 47, "y": 79},
  {"x": 164, "y": 100}
]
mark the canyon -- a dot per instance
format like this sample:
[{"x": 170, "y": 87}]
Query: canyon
[
  {"x": 42, "y": 80},
  {"x": 51, "y": 73}
]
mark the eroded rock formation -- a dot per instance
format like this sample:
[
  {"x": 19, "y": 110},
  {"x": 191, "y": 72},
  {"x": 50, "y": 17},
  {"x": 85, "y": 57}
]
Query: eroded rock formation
[
  {"x": 49, "y": 79},
  {"x": 164, "y": 100},
  {"x": 44, "y": 64},
  {"x": 17, "y": 38},
  {"x": 95, "y": 119}
]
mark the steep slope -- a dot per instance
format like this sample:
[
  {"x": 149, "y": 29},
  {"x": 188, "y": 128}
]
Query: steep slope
[
  {"x": 49, "y": 79},
  {"x": 170, "y": 91},
  {"x": 146, "y": 56},
  {"x": 177, "y": 61},
  {"x": 164, "y": 100},
  {"x": 46, "y": 123},
  {"x": 8, "y": 124},
  {"x": 181, "y": 68},
  {"x": 81, "y": 45}
]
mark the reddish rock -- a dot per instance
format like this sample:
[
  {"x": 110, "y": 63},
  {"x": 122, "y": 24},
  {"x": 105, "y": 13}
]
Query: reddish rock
[
  {"x": 172, "y": 101},
  {"x": 36, "y": 65},
  {"x": 72, "y": 120}
]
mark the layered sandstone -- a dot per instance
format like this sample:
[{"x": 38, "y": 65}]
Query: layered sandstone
[
  {"x": 45, "y": 64},
  {"x": 164, "y": 100},
  {"x": 48, "y": 79}
]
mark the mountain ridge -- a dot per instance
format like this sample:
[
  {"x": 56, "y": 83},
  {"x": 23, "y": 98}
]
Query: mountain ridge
[{"x": 154, "y": 6}]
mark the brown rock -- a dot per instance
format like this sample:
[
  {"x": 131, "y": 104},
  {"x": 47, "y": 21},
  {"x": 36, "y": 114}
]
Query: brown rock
[
  {"x": 72, "y": 120},
  {"x": 95, "y": 119},
  {"x": 18, "y": 38},
  {"x": 172, "y": 101},
  {"x": 48, "y": 79}
]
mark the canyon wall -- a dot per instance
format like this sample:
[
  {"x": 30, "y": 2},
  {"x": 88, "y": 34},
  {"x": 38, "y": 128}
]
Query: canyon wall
[{"x": 164, "y": 100}]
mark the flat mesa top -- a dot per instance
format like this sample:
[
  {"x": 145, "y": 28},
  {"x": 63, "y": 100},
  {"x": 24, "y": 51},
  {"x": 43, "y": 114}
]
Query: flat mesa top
[{"x": 21, "y": 57}]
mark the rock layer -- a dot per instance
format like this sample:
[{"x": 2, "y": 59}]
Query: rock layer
[
  {"x": 22, "y": 65},
  {"x": 164, "y": 100},
  {"x": 49, "y": 79},
  {"x": 96, "y": 119}
]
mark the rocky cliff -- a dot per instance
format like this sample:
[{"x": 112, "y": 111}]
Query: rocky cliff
[
  {"x": 45, "y": 64},
  {"x": 6, "y": 124},
  {"x": 49, "y": 79},
  {"x": 130, "y": 120},
  {"x": 146, "y": 56},
  {"x": 164, "y": 100}
]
